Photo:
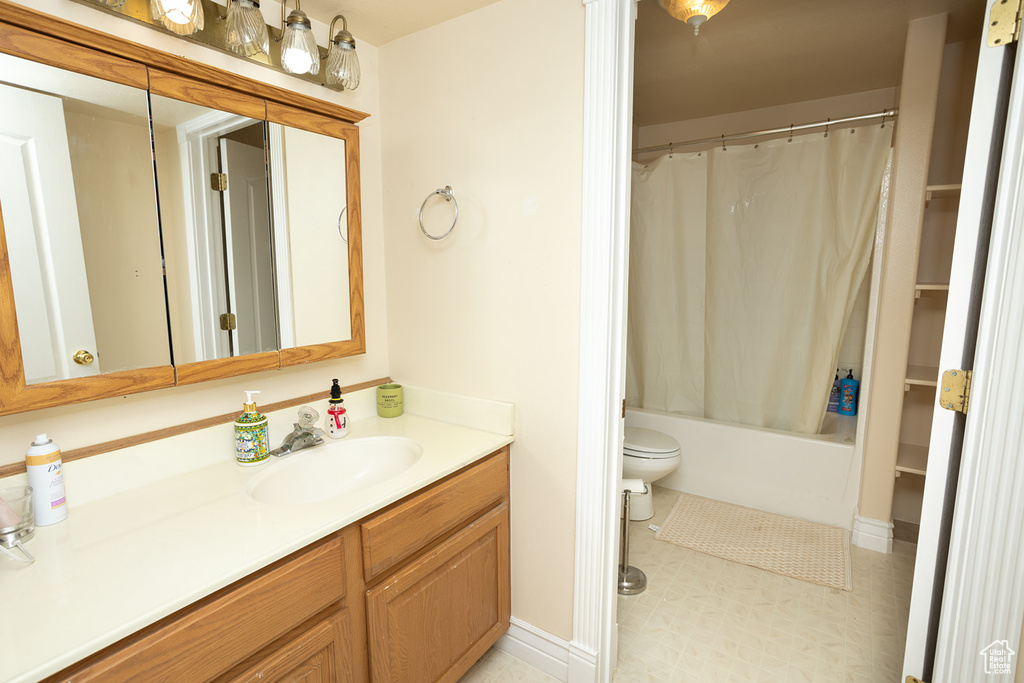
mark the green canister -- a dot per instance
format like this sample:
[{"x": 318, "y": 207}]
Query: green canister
[
  {"x": 252, "y": 442},
  {"x": 390, "y": 400}
]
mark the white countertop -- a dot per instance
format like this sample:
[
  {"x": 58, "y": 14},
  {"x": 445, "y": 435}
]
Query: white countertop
[{"x": 156, "y": 527}]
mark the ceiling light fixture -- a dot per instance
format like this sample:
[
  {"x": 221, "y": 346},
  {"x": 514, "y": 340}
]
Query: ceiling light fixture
[
  {"x": 246, "y": 32},
  {"x": 184, "y": 17},
  {"x": 299, "y": 52},
  {"x": 693, "y": 12},
  {"x": 342, "y": 60}
]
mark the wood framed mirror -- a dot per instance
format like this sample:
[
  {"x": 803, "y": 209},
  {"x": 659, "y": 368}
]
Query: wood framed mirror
[{"x": 154, "y": 283}]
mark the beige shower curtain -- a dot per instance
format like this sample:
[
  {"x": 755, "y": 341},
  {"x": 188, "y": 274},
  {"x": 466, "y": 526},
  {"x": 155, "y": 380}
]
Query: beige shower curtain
[{"x": 788, "y": 229}]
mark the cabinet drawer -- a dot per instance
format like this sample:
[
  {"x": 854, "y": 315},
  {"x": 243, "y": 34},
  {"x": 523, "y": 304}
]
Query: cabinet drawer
[
  {"x": 210, "y": 639},
  {"x": 317, "y": 655},
  {"x": 398, "y": 533}
]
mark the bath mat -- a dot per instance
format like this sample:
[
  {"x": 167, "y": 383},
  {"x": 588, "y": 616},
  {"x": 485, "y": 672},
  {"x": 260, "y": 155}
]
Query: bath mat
[{"x": 811, "y": 552}]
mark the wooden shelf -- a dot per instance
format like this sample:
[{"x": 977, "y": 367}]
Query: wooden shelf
[
  {"x": 930, "y": 287},
  {"x": 940, "y": 191},
  {"x": 922, "y": 376},
  {"x": 911, "y": 459}
]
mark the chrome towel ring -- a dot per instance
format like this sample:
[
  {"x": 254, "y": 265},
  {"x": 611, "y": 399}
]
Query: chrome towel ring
[{"x": 449, "y": 197}]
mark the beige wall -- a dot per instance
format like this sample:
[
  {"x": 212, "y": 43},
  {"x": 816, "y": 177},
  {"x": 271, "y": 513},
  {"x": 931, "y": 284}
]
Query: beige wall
[
  {"x": 491, "y": 103},
  {"x": 912, "y": 148},
  {"x": 88, "y": 423}
]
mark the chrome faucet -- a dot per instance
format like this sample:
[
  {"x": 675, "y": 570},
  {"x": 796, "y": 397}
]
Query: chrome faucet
[{"x": 305, "y": 434}]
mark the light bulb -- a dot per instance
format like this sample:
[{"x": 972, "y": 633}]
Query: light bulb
[
  {"x": 299, "y": 53},
  {"x": 343, "y": 62},
  {"x": 246, "y": 32},
  {"x": 184, "y": 17}
]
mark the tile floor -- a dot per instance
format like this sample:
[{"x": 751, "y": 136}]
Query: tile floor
[{"x": 703, "y": 619}]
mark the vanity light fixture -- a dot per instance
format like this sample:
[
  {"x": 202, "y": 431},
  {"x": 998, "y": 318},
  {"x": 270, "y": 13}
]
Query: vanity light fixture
[
  {"x": 342, "y": 60},
  {"x": 111, "y": 3},
  {"x": 246, "y": 32},
  {"x": 693, "y": 12},
  {"x": 299, "y": 51},
  {"x": 184, "y": 17}
]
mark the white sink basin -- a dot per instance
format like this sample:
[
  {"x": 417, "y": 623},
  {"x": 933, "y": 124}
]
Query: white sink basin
[{"x": 334, "y": 469}]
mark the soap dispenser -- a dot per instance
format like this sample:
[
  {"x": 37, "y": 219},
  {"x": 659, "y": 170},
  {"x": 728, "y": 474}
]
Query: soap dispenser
[
  {"x": 337, "y": 419},
  {"x": 252, "y": 443}
]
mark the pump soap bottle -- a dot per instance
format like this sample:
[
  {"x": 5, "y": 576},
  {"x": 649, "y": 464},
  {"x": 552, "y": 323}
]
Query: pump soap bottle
[
  {"x": 337, "y": 419},
  {"x": 848, "y": 398},
  {"x": 46, "y": 477},
  {"x": 251, "y": 438}
]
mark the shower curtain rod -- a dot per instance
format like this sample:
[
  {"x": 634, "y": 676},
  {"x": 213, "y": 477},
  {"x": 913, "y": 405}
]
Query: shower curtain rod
[{"x": 885, "y": 114}]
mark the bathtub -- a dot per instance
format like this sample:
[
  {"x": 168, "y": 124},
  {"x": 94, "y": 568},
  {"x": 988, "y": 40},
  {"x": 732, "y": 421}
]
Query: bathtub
[{"x": 814, "y": 477}]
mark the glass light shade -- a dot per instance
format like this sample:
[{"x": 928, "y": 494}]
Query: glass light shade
[
  {"x": 246, "y": 32},
  {"x": 343, "y": 65},
  {"x": 184, "y": 17},
  {"x": 299, "y": 53},
  {"x": 693, "y": 12}
]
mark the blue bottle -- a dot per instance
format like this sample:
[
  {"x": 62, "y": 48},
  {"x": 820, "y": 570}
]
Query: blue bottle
[{"x": 848, "y": 395}]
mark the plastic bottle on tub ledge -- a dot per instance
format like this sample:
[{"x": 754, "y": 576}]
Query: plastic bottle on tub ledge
[
  {"x": 833, "y": 396},
  {"x": 848, "y": 389}
]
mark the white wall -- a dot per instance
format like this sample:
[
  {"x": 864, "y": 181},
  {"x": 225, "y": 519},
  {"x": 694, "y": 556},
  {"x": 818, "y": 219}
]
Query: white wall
[
  {"x": 94, "y": 422},
  {"x": 491, "y": 103}
]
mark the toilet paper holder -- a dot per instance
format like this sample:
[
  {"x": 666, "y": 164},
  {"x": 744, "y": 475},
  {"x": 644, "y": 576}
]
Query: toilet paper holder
[{"x": 632, "y": 580}]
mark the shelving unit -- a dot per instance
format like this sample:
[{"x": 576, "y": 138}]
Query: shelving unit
[{"x": 922, "y": 374}]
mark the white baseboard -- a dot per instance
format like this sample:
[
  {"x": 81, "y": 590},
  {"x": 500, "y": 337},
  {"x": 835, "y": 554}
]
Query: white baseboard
[
  {"x": 872, "y": 534},
  {"x": 538, "y": 648}
]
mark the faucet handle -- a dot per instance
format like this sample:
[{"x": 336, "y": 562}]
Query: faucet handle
[{"x": 308, "y": 417}]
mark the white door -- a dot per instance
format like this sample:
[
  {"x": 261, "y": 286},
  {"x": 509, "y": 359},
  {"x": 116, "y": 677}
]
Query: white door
[
  {"x": 247, "y": 242},
  {"x": 965, "y": 593},
  {"x": 44, "y": 243}
]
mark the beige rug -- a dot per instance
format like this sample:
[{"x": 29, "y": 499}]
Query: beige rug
[{"x": 791, "y": 547}]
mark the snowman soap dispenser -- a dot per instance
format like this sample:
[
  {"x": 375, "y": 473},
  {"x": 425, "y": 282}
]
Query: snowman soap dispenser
[{"x": 337, "y": 418}]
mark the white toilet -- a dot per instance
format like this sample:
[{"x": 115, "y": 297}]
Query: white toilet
[{"x": 647, "y": 455}]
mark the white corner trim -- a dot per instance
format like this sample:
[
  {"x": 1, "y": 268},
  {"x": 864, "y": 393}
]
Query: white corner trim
[
  {"x": 607, "y": 134},
  {"x": 872, "y": 534},
  {"x": 535, "y": 647}
]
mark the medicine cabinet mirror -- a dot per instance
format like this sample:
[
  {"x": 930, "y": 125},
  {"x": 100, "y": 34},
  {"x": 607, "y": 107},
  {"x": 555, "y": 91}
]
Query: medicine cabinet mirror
[{"x": 158, "y": 227}]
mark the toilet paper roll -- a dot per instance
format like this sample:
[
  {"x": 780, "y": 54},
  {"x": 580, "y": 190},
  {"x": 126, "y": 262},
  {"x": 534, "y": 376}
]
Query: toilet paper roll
[{"x": 634, "y": 486}]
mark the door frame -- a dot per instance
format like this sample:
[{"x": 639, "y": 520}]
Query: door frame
[
  {"x": 607, "y": 153},
  {"x": 981, "y": 596}
]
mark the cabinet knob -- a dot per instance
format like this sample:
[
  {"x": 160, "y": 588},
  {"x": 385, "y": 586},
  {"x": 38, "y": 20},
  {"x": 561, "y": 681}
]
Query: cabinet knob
[{"x": 83, "y": 357}]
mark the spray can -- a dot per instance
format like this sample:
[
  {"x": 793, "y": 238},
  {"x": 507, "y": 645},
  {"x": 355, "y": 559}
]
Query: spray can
[{"x": 46, "y": 477}]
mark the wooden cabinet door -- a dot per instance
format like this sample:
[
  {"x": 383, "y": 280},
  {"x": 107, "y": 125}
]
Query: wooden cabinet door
[
  {"x": 317, "y": 655},
  {"x": 433, "y": 619}
]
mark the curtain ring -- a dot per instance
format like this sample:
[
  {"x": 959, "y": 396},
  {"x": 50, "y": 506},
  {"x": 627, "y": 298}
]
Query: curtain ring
[
  {"x": 723, "y": 142},
  {"x": 885, "y": 112},
  {"x": 790, "y": 133},
  {"x": 827, "y": 121}
]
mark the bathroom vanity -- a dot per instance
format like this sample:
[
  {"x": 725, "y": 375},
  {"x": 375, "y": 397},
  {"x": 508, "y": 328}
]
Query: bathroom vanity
[{"x": 187, "y": 576}]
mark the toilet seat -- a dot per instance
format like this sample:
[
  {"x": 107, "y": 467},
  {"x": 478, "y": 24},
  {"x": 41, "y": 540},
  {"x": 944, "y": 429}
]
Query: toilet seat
[{"x": 649, "y": 444}]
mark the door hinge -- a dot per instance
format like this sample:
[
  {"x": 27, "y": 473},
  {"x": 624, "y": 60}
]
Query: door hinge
[
  {"x": 1004, "y": 23},
  {"x": 227, "y": 321},
  {"x": 955, "y": 391},
  {"x": 623, "y": 409},
  {"x": 219, "y": 182},
  {"x": 913, "y": 679}
]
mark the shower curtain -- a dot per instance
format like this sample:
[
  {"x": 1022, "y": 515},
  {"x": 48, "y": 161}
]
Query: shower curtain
[{"x": 744, "y": 268}]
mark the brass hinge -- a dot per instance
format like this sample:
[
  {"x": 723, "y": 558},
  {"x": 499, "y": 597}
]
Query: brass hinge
[
  {"x": 219, "y": 182},
  {"x": 227, "y": 321},
  {"x": 623, "y": 409},
  {"x": 955, "y": 392},
  {"x": 913, "y": 679},
  {"x": 1004, "y": 23}
]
